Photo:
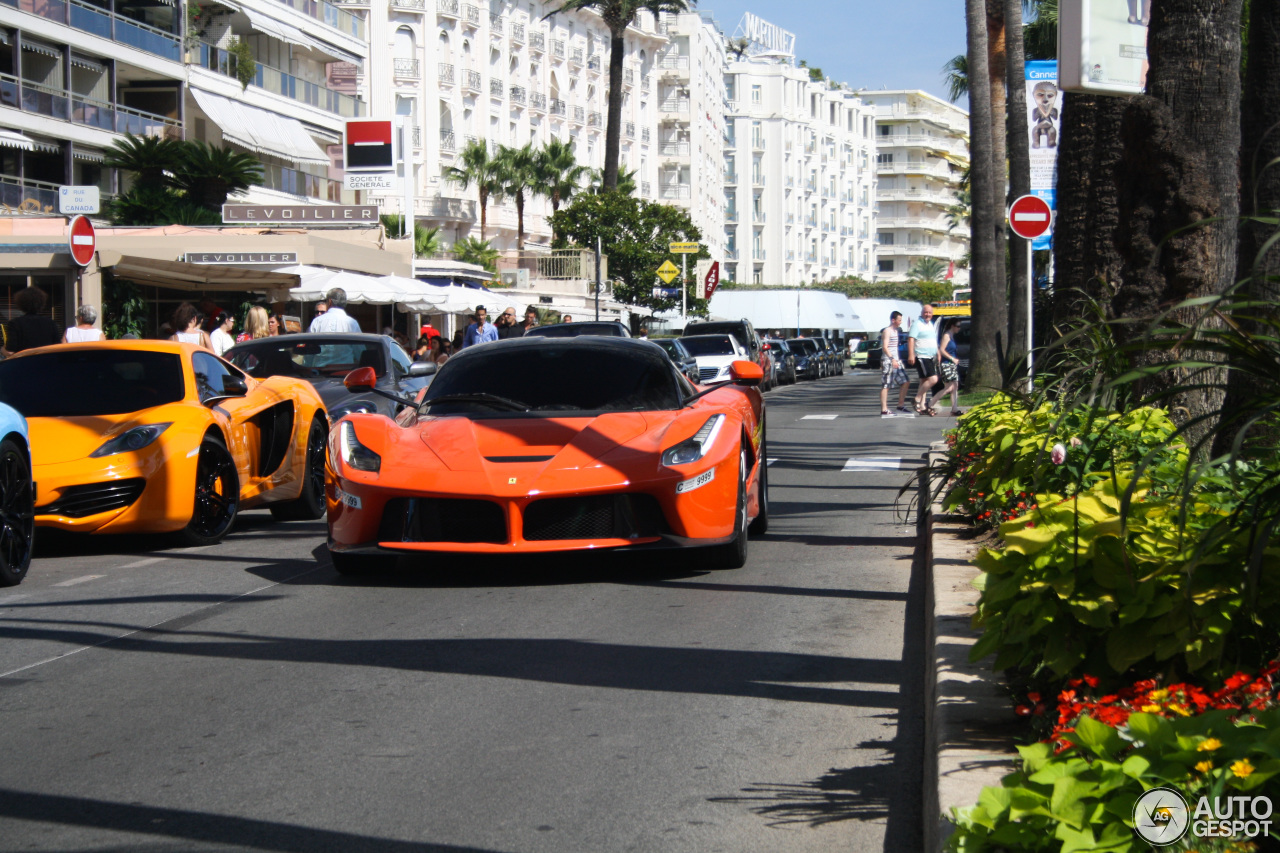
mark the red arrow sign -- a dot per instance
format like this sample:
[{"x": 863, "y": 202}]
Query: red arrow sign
[
  {"x": 82, "y": 241},
  {"x": 712, "y": 280},
  {"x": 1030, "y": 216}
]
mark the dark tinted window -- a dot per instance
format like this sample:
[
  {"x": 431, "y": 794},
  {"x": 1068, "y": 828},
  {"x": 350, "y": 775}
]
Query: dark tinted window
[
  {"x": 554, "y": 377},
  {"x": 709, "y": 345},
  {"x": 90, "y": 382},
  {"x": 210, "y": 374},
  {"x": 744, "y": 334},
  {"x": 673, "y": 348},
  {"x": 573, "y": 330},
  {"x": 777, "y": 344},
  {"x": 282, "y": 356},
  {"x": 805, "y": 345}
]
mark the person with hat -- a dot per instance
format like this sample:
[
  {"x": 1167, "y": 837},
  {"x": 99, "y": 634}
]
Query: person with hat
[{"x": 481, "y": 331}]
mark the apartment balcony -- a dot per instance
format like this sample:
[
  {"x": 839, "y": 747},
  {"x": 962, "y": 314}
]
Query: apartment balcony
[
  {"x": 68, "y": 106},
  {"x": 629, "y": 130},
  {"x": 674, "y": 150},
  {"x": 497, "y": 26},
  {"x": 791, "y": 182},
  {"x": 731, "y": 217},
  {"x": 447, "y": 140},
  {"x": 628, "y": 76},
  {"x": 519, "y": 95},
  {"x": 846, "y": 232},
  {"x": 644, "y": 85},
  {"x": 730, "y": 254},
  {"x": 594, "y": 64},
  {"x": 577, "y": 56},
  {"x": 673, "y": 191},
  {"x": 579, "y": 114},
  {"x": 791, "y": 219},
  {"x": 25, "y": 194},
  {"x": 730, "y": 177},
  {"x": 473, "y": 82},
  {"x": 810, "y": 186},
  {"x": 538, "y": 100},
  {"x": 674, "y": 64},
  {"x": 327, "y": 13},
  {"x": 409, "y": 5},
  {"x": 285, "y": 180},
  {"x": 757, "y": 180},
  {"x": 471, "y": 16},
  {"x": 445, "y": 74},
  {"x": 595, "y": 119},
  {"x": 405, "y": 69},
  {"x": 497, "y": 87},
  {"x": 757, "y": 143},
  {"x": 758, "y": 217},
  {"x": 646, "y": 189},
  {"x": 558, "y": 107},
  {"x": 644, "y": 134},
  {"x": 674, "y": 107},
  {"x": 557, "y": 48},
  {"x": 828, "y": 227},
  {"x": 106, "y": 24},
  {"x": 811, "y": 222},
  {"x": 811, "y": 257},
  {"x": 791, "y": 254},
  {"x": 277, "y": 82},
  {"x": 517, "y": 34},
  {"x": 538, "y": 42},
  {"x": 932, "y": 168},
  {"x": 448, "y": 8},
  {"x": 759, "y": 255},
  {"x": 847, "y": 198}
]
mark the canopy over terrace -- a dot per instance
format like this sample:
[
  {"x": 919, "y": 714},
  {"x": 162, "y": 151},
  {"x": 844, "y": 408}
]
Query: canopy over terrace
[
  {"x": 874, "y": 313},
  {"x": 787, "y": 310}
]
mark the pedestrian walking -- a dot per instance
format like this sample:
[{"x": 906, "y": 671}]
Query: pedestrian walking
[
  {"x": 530, "y": 320},
  {"x": 186, "y": 326},
  {"x": 949, "y": 367},
  {"x": 423, "y": 351},
  {"x": 256, "y": 325},
  {"x": 221, "y": 337},
  {"x": 892, "y": 373},
  {"x": 442, "y": 348},
  {"x": 83, "y": 331},
  {"x": 31, "y": 329},
  {"x": 481, "y": 331},
  {"x": 335, "y": 319},
  {"x": 507, "y": 325},
  {"x": 922, "y": 351}
]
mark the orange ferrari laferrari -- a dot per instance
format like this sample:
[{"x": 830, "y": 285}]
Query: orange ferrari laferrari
[
  {"x": 540, "y": 445},
  {"x": 153, "y": 437}
]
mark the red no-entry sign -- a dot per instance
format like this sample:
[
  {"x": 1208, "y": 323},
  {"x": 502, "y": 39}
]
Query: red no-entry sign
[
  {"x": 83, "y": 242},
  {"x": 1030, "y": 216}
]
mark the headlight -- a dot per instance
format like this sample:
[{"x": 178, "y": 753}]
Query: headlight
[
  {"x": 356, "y": 454},
  {"x": 693, "y": 449},
  {"x": 131, "y": 440}
]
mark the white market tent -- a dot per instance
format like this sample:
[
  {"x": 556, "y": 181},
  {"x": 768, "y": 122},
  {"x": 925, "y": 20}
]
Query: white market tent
[
  {"x": 874, "y": 313},
  {"x": 787, "y": 310},
  {"x": 455, "y": 299}
]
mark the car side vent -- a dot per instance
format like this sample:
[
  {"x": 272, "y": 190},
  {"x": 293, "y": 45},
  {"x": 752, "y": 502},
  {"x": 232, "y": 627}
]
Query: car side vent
[
  {"x": 442, "y": 520},
  {"x": 631, "y": 516}
]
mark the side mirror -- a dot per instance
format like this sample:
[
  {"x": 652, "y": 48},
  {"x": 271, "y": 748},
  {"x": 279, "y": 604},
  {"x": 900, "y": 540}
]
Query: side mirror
[
  {"x": 423, "y": 368},
  {"x": 361, "y": 379},
  {"x": 234, "y": 386},
  {"x": 746, "y": 373},
  {"x": 767, "y": 346}
]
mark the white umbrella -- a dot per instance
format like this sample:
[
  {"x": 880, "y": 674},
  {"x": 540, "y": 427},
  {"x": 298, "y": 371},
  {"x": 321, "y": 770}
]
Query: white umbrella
[{"x": 458, "y": 300}]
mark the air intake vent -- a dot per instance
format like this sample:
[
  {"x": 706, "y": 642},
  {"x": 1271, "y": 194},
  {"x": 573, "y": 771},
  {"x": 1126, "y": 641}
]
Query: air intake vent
[
  {"x": 442, "y": 520},
  {"x": 596, "y": 517},
  {"x": 84, "y": 501}
]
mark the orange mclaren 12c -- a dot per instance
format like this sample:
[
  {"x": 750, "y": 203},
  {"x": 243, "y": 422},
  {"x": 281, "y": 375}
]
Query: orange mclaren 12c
[
  {"x": 540, "y": 445},
  {"x": 156, "y": 437}
]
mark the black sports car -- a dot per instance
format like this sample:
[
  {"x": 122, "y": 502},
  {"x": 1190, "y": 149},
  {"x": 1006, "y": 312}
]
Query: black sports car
[{"x": 324, "y": 360}]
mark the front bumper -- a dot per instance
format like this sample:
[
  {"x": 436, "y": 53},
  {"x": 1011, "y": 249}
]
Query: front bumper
[{"x": 139, "y": 492}]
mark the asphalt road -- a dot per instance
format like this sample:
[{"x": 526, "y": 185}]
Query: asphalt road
[{"x": 245, "y": 697}]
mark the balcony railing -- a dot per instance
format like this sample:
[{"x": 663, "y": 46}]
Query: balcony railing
[
  {"x": 675, "y": 105},
  {"x": 557, "y": 48},
  {"x": 558, "y": 107},
  {"x": 576, "y": 56},
  {"x": 497, "y": 87},
  {"x": 471, "y": 15},
  {"x": 108, "y": 25},
  {"x": 538, "y": 42},
  {"x": 674, "y": 190},
  {"x": 731, "y": 254},
  {"x": 811, "y": 221},
  {"x": 279, "y": 83},
  {"x": 730, "y": 177},
  {"x": 447, "y": 141},
  {"x": 646, "y": 189},
  {"x": 593, "y": 64},
  {"x": 757, "y": 216},
  {"x": 757, "y": 143},
  {"x": 629, "y": 130},
  {"x": 579, "y": 114},
  {"x": 791, "y": 181},
  {"x": 517, "y": 33},
  {"x": 519, "y": 95},
  {"x": 77, "y": 109},
  {"x": 674, "y": 63},
  {"x": 474, "y": 81},
  {"x": 291, "y": 181},
  {"x": 447, "y": 8},
  {"x": 538, "y": 101},
  {"x": 674, "y": 149},
  {"x": 731, "y": 216},
  {"x": 758, "y": 255},
  {"x": 409, "y": 4},
  {"x": 339, "y": 19},
  {"x": 628, "y": 76},
  {"x": 757, "y": 180},
  {"x": 791, "y": 219},
  {"x": 405, "y": 69},
  {"x": 811, "y": 257},
  {"x": 497, "y": 24},
  {"x": 446, "y": 72},
  {"x": 594, "y": 119},
  {"x": 644, "y": 85},
  {"x": 644, "y": 134}
]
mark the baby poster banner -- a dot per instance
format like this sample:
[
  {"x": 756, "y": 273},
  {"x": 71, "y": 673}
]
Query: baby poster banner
[{"x": 1044, "y": 125}]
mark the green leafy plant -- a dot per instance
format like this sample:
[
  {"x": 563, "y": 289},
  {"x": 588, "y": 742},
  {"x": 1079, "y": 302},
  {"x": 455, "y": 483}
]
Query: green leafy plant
[
  {"x": 245, "y": 62},
  {"x": 474, "y": 251},
  {"x": 123, "y": 308},
  {"x": 426, "y": 241}
]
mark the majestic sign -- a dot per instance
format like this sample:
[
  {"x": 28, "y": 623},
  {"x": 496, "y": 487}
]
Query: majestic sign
[
  {"x": 1101, "y": 49},
  {"x": 271, "y": 258},
  {"x": 765, "y": 36},
  {"x": 73, "y": 200},
  {"x": 370, "y": 146},
  {"x": 300, "y": 214},
  {"x": 1030, "y": 216},
  {"x": 82, "y": 240}
]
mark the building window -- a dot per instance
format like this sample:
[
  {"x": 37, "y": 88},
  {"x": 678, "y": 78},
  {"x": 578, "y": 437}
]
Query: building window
[
  {"x": 756, "y": 93},
  {"x": 886, "y": 265},
  {"x": 885, "y": 238},
  {"x": 884, "y": 130},
  {"x": 884, "y": 158}
]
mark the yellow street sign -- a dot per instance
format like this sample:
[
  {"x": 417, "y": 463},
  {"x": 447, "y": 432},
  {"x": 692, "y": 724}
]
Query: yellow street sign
[
  {"x": 683, "y": 248},
  {"x": 668, "y": 271}
]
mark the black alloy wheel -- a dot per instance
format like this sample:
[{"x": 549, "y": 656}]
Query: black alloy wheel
[
  {"x": 309, "y": 505},
  {"x": 217, "y": 497},
  {"x": 17, "y": 513}
]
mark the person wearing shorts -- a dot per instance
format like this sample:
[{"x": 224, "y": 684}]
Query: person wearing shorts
[
  {"x": 922, "y": 351},
  {"x": 889, "y": 362}
]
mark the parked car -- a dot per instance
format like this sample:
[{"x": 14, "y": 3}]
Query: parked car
[
  {"x": 602, "y": 328},
  {"x": 835, "y": 356},
  {"x": 623, "y": 456},
  {"x": 858, "y": 358},
  {"x": 17, "y": 496},
  {"x": 808, "y": 360},
  {"x": 715, "y": 354},
  {"x": 324, "y": 360},
  {"x": 679, "y": 356},
  {"x": 784, "y": 360},
  {"x": 874, "y": 352},
  {"x": 743, "y": 332}
]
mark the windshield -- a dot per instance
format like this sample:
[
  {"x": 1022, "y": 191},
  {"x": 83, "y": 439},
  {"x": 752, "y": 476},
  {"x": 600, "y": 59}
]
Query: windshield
[
  {"x": 702, "y": 329},
  {"x": 805, "y": 345},
  {"x": 307, "y": 359},
  {"x": 551, "y": 378},
  {"x": 709, "y": 345},
  {"x": 672, "y": 348},
  {"x": 83, "y": 382}
]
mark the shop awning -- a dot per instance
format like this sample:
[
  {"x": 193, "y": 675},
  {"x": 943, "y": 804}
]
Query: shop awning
[
  {"x": 13, "y": 139},
  {"x": 260, "y": 130},
  {"x": 183, "y": 276}
]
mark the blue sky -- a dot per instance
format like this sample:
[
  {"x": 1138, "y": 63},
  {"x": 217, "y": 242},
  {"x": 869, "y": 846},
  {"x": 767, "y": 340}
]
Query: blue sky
[{"x": 884, "y": 44}]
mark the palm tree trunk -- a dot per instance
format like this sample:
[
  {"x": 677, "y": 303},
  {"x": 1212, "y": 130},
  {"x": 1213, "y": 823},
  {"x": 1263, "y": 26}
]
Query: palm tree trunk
[
  {"x": 1181, "y": 166},
  {"x": 1019, "y": 171},
  {"x": 999, "y": 147},
  {"x": 613, "y": 128},
  {"x": 986, "y": 275},
  {"x": 520, "y": 220},
  {"x": 484, "y": 212}
]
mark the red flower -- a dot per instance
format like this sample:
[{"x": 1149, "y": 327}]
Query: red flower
[
  {"x": 1022, "y": 711},
  {"x": 1091, "y": 680}
]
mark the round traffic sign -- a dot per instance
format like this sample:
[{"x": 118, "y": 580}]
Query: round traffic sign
[
  {"x": 83, "y": 242},
  {"x": 1030, "y": 216}
]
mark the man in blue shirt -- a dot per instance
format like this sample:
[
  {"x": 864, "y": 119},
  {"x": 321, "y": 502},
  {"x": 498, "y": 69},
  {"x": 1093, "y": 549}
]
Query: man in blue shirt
[
  {"x": 480, "y": 332},
  {"x": 922, "y": 351}
]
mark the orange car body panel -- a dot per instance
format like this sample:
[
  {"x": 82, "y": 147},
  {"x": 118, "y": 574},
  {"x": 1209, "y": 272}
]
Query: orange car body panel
[
  {"x": 493, "y": 459},
  {"x": 61, "y": 448}
]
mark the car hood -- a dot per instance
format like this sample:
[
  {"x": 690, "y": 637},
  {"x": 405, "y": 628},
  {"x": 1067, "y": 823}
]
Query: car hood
[
  {"x": 718, "y": 360},
  {"x": 57, "y": 440}
]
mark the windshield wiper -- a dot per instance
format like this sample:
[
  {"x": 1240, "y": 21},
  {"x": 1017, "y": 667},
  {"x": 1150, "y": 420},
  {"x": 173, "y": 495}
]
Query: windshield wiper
[{"x": 480, "y": 397}]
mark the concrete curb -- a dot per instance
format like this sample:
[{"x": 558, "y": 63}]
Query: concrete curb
[{"x": 967, "y": 712}]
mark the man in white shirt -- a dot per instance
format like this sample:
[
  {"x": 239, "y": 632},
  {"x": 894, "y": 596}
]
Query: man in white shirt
[
  {"x": 922, "y": 351},
  {"x": 336, "y": 319},
  {"x": 221, "y": 337}
]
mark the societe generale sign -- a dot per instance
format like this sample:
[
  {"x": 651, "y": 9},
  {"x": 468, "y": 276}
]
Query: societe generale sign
[{"x": 303, "y": 215}]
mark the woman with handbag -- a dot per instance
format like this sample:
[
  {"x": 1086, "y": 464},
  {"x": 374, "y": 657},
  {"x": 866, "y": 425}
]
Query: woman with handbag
[
  {"x": 892, "y": 373},
  {"x": 949, "y": 365}
]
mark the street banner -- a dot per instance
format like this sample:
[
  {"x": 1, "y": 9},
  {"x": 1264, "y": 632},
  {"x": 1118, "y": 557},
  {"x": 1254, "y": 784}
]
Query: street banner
[{"x": 1044, "y": 125}]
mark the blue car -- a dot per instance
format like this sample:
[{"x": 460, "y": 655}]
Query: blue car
[{"x": 17, "y": 498}]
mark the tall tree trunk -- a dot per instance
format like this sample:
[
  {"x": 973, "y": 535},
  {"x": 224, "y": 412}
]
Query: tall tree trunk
[
  {"x": 484, "y": 213},
  {"x": 1019, "y": 147},
  {"x": 613, "y": 128},
  {"x": 996, "y": 50},
  {"x": 520, "y": 220},
  {"x": 1259, "y": 181},
  {"x": 1180, "y": 168},
  {"x": 987, "y": 271}
]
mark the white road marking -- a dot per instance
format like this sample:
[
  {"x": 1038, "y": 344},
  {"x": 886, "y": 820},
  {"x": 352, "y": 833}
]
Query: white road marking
[
  {"x": 873, "y": 463},
  {"x": 140, "y": 563},
  {"x": 769, "y": 462},
  {"x": 8, "y": 599},
  {"x": 75, "y": 581},
  {"x": 819, "y": 417}
]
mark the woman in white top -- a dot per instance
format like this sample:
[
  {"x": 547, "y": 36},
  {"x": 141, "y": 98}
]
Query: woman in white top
[
  {"x": 186, "y": 320},
  {"x": 221, "y": 337},
  {"x": 83, "y": 330}
]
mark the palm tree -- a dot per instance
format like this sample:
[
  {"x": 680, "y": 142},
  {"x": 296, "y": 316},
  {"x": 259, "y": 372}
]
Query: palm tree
[
  {"x": 1040, "y": 35},
  {"x": 559, "y": 174},
  {"x": 618, "y": 15},
  {"x": 210, "y": 173},
  {"x": 989, "y": 296},
  {"x": 483, "y": 171},
  {"x": 958, "y": 214},
  {"x": 626, "y": 181},
  {"x": 926, "y": 269},
  {"x": 956, "y": 75},
  {"x": 426, "y": 241},
  {"x": 147, "y": 157},
  {"x": 518, "y": 169},
  {"x": 474, "y": 251},
  {"x": 739, "y": 47}
]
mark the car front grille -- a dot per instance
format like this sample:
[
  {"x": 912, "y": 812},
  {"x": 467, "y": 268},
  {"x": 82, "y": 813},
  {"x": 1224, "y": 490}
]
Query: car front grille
[
  {"x": 627, "y": 516},
  {"x": 706, "y": 374},
  {"x": 93, "y": 498},
  {"x": 442, "y": 520}
]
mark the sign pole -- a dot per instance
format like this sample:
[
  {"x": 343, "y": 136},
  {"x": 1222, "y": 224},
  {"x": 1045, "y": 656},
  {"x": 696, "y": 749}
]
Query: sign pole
[
  {"x": 1031, "y": 316},
  {"x": 599, "y": 249},
  {"x": 406, "y": 154},
  {"x": 1029, "y": 217},
  {"x": 684, "y": 288}
]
